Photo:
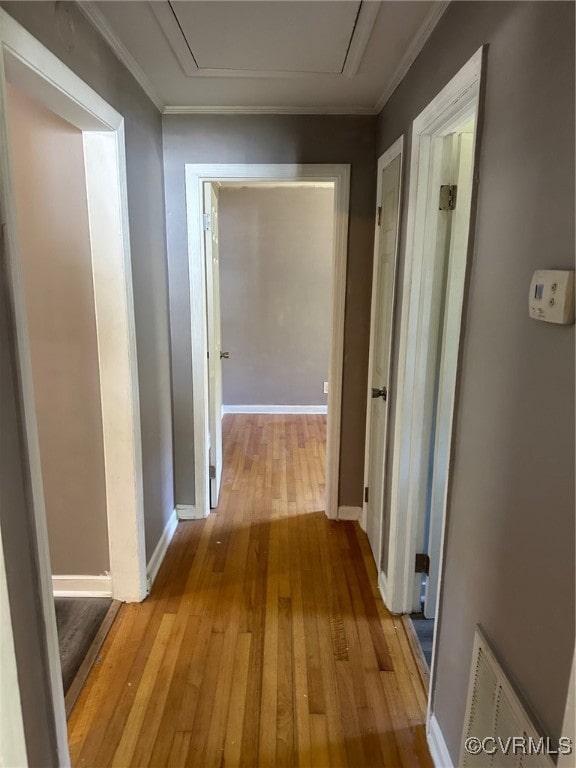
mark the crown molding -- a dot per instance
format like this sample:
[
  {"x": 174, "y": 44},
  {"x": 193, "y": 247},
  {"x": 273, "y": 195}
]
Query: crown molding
[
  {"x": 89, "y": 9},
  {"x": 412, "y": 52},
  {"x": 264, "y": 110}
]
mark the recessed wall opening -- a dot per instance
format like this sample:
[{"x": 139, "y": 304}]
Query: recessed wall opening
[
  {"x": 52, "y": 217},
  {"x": 268, "y": 249}
]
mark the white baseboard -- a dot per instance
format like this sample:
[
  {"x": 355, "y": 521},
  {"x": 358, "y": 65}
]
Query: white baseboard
[
  {"x": 274, "y": 409},
  {"x": 160, "y": 550},
  {"x": 188, "y": 512},
  {"x": 437, "y": 745},
  {"x": 349, "y": 513},
  {"x": 82, "y": 586}
]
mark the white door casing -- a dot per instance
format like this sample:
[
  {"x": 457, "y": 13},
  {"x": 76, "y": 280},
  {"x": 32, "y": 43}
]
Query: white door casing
[
  {"x": 456, "y": 104},
  {"x": 211, "y": 252},
  {"x": 381, "y": 330},
  {"x": 196, "y": 176}
]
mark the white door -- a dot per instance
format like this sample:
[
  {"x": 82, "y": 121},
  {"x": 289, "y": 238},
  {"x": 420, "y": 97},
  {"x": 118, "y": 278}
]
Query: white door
[
  {"x": 381, "y": 340},
  {"x": 215, "y": 354},
  {"x": 447, "y": 366}
]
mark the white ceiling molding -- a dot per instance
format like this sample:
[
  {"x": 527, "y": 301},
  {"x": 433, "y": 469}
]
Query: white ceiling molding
[
  {"x": 410, "y": 56},
  {"x": 173, "y": 33},
  {"x": 180, "y": 46},
  {"x": 92, "y": 13},
  {"x": 207, "y": 110},
  {"x": 360, "y": 37}
]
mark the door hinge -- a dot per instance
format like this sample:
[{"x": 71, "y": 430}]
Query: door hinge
[
  {"x": 447, "y": 197},
  {"x": 207, "y": 222},
  {"x": 422, "y": 564},
  {"x": 212, "y": 472},
  {"x": 379, "y": 215},
  {"x": 366, "y": 494}
]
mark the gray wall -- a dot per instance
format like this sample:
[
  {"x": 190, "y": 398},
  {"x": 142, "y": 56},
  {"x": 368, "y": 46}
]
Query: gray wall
[
  {"x": 275, "y": 290},
  {"x": 275, "y": 139},
  {"x": 16, "y": 526},
  {"x": 54, "y": 239},
  {"x": 90, "y": 57},
  {"x": 509, "y": 558}
]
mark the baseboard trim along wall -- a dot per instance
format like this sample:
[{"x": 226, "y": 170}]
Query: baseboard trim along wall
[
  {"x": 274, "y": 409},
  {"x": 161, "y": 548},
  {"x": 188, "y": 512},
  {"x": 349, "y": 513},
  {"x": 82, "y": 586},
  {"x": 437, "y": 745}
]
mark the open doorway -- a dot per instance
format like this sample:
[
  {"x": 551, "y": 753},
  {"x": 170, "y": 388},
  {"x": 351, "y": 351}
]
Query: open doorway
[
  {"x": 439, "y": 233},
  {"x": 52, "y": 215},
  {"x": 268, "y": 249},
  {"x": 73, "y": 109},
  {"x": 201, "y": 195}
]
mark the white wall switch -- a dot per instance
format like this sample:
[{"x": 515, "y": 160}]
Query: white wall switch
[
  {"x": 325, "y": 387},
  {"x": 551, "y": 297}
]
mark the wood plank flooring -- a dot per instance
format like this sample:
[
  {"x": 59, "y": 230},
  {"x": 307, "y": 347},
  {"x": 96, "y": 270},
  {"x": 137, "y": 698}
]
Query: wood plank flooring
[{"x": 264, "y": 641}]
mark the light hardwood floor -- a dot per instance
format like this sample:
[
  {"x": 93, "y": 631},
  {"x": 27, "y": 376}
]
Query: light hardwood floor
[{"x": 264, "y": 641}]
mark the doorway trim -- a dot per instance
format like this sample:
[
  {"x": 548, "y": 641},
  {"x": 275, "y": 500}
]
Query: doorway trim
[
  {"x": 457, "y": 100},
  {"x": 29, "y": 65},
  {"x": 394, "y": 150},
  {"x": 196, "y": 176}
]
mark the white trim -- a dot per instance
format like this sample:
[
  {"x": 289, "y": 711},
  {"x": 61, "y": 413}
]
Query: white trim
[
  {"x": 97, "y": 19},
  {"x": 395, "y": 150},
  {"x": 114, "y": 304},
  {"x": 437, "y": 745},
  {"x": 161, "y": 548},
  {"x": 459, "y": 97},
  {"x": 196, "y": 175},
  {"x": 412, "y": 51},
  {"x": 29, "y": 65},
  {"x": 82, "y": 586},
  {"x": 349, "y": 513},
  {"x": 188, "y": 512},
  {"x": 274, "y": 409},
  {"x": 360, "y": 37},
  {"x": 266, "y": 110},
  {"x": 174, "y": 36}
]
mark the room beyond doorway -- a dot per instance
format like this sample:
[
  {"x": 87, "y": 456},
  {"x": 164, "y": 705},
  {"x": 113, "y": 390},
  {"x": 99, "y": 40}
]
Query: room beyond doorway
[{"x": 268, "y": 273}]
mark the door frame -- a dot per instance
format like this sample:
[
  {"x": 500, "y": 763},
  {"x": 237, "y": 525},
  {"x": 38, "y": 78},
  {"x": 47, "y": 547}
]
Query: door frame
[
  {"x": 457, "y": 100},
  {"x": 196, "y": 176},
  {"x": 394, "y": 150},
  {"x": 29, "y": 65}
]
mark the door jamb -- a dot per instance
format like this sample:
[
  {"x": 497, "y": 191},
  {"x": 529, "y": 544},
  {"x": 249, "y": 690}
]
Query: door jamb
[
  {"x": 196, "y": 175},
  {"x": 395, "y": 150},
  {"x": 38, "y": 72},
  {"x": 457, "y": 99}
]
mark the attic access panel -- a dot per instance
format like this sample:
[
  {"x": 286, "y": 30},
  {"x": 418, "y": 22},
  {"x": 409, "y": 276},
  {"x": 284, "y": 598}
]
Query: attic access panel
[{"x": 289, "y": 37}]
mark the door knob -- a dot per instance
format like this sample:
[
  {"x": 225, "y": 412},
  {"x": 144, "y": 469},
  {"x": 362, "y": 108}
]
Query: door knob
[
  {"x": 224, "y": 355},
  {"x": 383, "y": 393}
]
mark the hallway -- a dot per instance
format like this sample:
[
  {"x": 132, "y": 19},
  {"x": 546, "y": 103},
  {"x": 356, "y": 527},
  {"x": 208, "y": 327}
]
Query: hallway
[{"x": 264, "y": 641}]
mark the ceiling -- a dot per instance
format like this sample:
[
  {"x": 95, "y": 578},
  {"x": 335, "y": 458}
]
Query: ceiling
[{"x": 288, "y": 56}]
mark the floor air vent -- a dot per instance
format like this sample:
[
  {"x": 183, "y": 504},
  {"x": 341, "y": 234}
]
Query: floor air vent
[{"x": 498, "y": 732}]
